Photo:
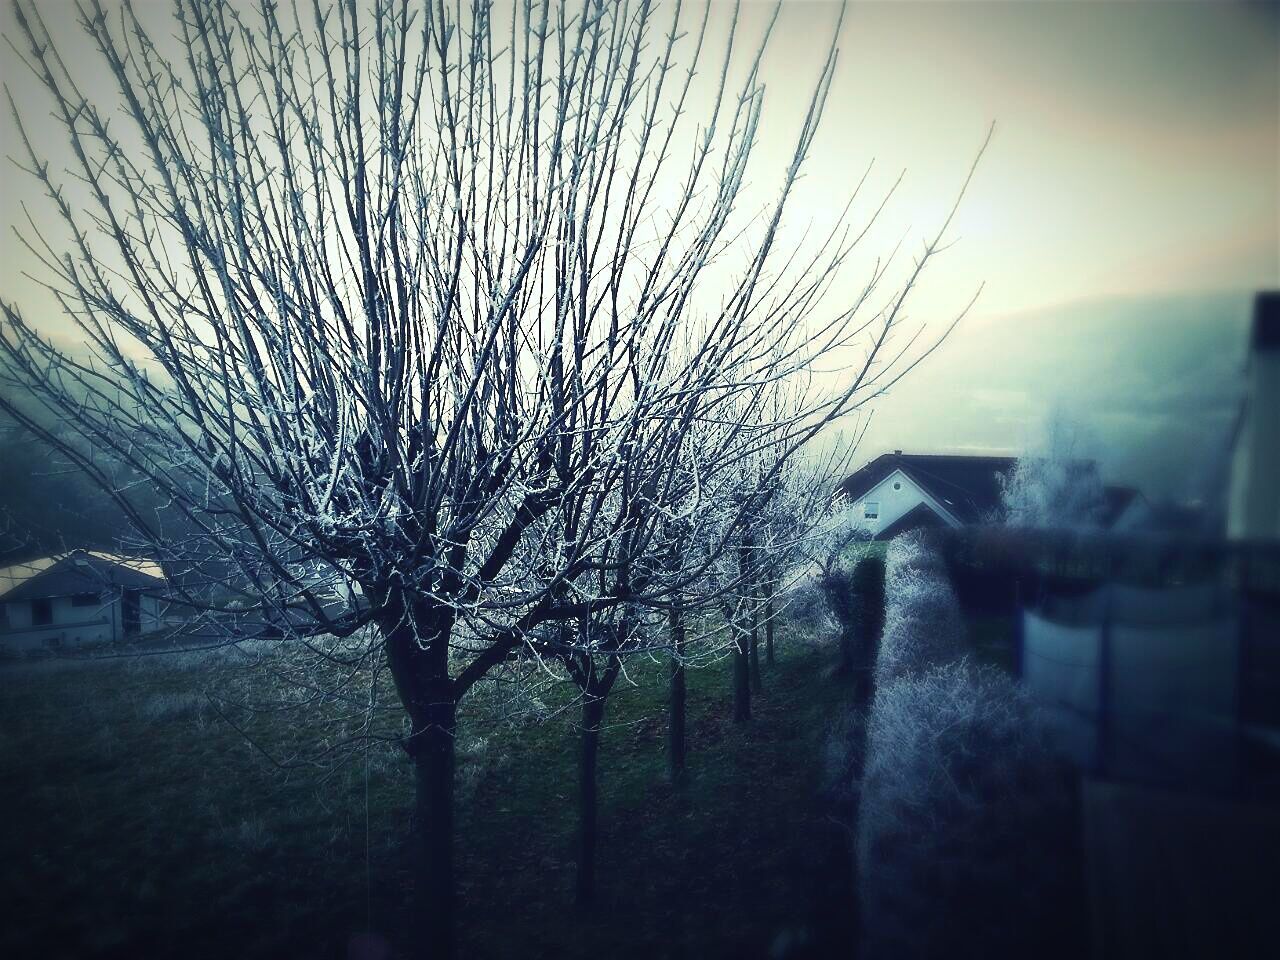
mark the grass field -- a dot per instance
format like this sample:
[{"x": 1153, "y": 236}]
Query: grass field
[{"x": 138, "y": 822}]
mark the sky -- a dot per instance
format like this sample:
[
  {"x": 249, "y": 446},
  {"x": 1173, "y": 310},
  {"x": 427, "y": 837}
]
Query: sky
[
  {"x": 1135, "y": 150},
  {"x": 1134, "y": 173},
  {"x": 1120, "y": 221}
]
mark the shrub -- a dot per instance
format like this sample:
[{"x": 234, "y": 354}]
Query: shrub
[
  {"x": 841, "y": 763},
  {"x": 805, "y": 608},
  {"x": 868, "y": 586},
  {"x": 923, "y": 625},
  {"x": 964, "y": 812},
  {"x": 531, "y": 711},
  {"x": 854, "y": 600},
  {"x": 964, "y": 820},
  {"x": 920, "y": 632},
  {"x": 910, "y": 556}
]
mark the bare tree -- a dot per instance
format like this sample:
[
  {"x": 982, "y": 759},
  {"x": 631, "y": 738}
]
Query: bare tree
[
  {"x": 678, "y": 693},
  {"x": 415, "y": 301},
  {"x": 1055, "y": 485},
  {"x": 594, "y": 663}
]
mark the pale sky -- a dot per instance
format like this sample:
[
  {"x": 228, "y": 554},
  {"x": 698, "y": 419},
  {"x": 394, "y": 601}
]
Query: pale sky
[
  {"x": 1128, "y": 207},
  {"x": 1136, "y": 149},
  {"x": 1137, "y": 155}
]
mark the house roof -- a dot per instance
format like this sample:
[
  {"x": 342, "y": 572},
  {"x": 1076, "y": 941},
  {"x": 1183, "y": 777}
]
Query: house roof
[
  {"x": 1116, "y": 500},
  {"x": 968, "y": 486},
  {"x": 77, "y": 571}
]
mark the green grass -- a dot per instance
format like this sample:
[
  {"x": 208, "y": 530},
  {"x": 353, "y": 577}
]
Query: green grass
[{"x": 137, "y": 822}]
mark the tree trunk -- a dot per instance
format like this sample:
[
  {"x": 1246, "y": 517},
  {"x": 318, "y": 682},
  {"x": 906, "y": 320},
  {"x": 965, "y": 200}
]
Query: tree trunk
[
  {"x": 433, "y": 756},
  {"x": 768, "y": 622},
  {"x": 588, "y": 819},
  {"x": 676, "y": 719},
  {"x": 744, "y": 641},
  {"x": 741, "y": 678},
  {"x": 757, "y": 684},
  {"x": 421, "y": 675}
]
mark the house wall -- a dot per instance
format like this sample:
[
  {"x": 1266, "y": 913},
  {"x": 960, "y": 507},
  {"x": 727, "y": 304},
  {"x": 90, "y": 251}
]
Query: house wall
[
  {"x": 73, "y": 626},
  {"x": 897, "y": 494},
  {"x": 1253, "y": 508}
]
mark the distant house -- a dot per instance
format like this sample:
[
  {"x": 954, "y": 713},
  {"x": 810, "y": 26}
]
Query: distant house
[
  {"x": 900, "y": 491},
  {"x": 77, "y": 599}
]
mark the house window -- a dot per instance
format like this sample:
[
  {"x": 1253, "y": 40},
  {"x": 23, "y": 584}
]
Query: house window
[
  {"x": 871, "y": 510},
  {"x": 897, "y": 485},
  {"x": 41, "y": 612},
  {"x": 84, "y": 599}
]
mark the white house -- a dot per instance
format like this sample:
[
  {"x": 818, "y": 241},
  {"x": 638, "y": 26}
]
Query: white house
[
  {"x": 1253, "y": 502},
  {"x": 899, "y": 491},
  {"x": 77, "y": 599}
]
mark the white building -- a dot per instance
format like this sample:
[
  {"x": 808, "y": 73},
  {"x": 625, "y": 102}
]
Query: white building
[{"x": 77, "y": 599}]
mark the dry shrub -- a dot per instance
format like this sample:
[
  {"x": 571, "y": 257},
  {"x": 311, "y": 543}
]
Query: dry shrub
[
  {"x": 963, "y": 838},
  {"x": 964, "y": 814},
  {"x": 923, "y": 625},
  {"x": 803, "y": 607}
]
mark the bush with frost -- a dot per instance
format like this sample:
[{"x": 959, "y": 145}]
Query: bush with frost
[
  {"x": 923, "y": 624},
  {"x": 964, "y": 820},
  {"x": 804, "y": 608},
  {"x": 964, "y": 811},
  {"x": 912, "y": 555}
]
